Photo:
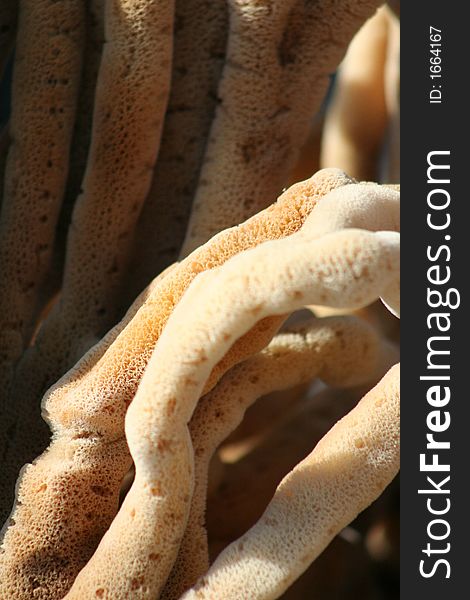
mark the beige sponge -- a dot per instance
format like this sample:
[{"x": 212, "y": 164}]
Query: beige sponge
[
  {"x": 342, "y": 351},
  {"x": 86, "y": 410},
  {"x": 43, "y": 101},
  {"x": 200, "y": 39},
  {"x": 349, "y": 268},
  {"x": 279, "y": 57},
  {"x": 130, "y": 102},
  {"x": 346, "y": 471}
]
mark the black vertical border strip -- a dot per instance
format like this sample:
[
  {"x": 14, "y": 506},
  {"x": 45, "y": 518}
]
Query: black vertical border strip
[{"x": 427, "y": 127}]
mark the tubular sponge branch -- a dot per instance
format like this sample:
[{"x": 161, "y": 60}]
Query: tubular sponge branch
[
  {"x": 350, "y": 268},
  {"x": 279, "y": 57},
  {"x": 44, "y": 95},
  {"x": 86, "y": 410},
  {"x": 191, "y": 106},
  {"x": 346, "y": 471},
  {"x": 130, "y": 102},
  {"x": 342, "y": 351},
  {"x": 93, "y": 50},
  {"x": 356, "y": 118}
]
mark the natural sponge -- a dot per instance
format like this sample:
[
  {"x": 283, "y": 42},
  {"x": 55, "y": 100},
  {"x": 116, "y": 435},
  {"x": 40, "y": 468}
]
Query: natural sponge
[
  {"x": 44, "y": 96},
  {"x": 342, "y": 351},
  {"x": 349, "y": 268},
  {"x": 200, "y": 39},
  {"x": 280, "y": 54},
  {"x": 346, "y": 471},
  {"x": 86, "y": 410}
]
